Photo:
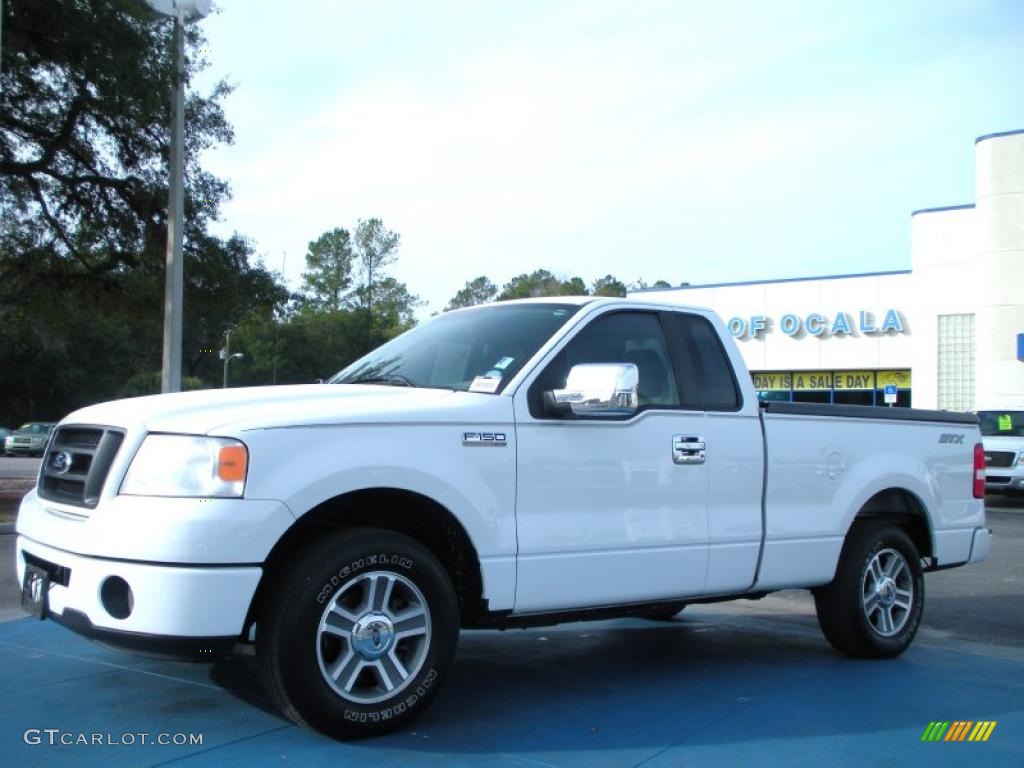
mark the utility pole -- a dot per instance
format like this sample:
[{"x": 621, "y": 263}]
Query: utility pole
[
  {"x": 170, "y": 374},
  {"x": 183, "y": 12}
]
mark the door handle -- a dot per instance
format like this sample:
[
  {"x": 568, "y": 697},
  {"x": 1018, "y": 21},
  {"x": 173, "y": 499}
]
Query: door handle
[{"x": 688, "y": 449}]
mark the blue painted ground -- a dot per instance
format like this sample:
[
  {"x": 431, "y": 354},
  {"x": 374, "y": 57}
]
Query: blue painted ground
[{"x": 711, "y": 688}]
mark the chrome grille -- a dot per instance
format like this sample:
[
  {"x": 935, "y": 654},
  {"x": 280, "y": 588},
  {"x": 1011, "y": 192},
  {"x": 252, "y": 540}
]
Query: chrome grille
[
  {"x": 999, "y": 458},
  {"x": 76, "y": 464}
]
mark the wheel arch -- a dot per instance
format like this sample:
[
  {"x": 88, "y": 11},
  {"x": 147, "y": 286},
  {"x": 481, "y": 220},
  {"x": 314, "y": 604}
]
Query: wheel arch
[
  {"x": 904, "y": 509},
  {"x": 413, "y": 514}
]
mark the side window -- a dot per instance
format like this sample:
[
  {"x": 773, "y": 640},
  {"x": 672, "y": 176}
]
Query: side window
[
  {"x": 706, "y": 365},
  {"x": 620, "y": 337}
]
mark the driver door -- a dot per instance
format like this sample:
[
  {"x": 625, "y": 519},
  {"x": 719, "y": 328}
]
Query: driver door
[{"x": 605, "y": 512}]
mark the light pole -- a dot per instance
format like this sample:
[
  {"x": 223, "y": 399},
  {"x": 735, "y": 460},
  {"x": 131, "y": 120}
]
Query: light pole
[
  {"x": 227, "y": 360},
  {"x": 184, "y": 12},
  {"x": 226, "y": 356}
]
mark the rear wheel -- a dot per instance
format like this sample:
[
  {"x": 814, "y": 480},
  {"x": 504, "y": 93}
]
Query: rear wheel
[
  {"x": 355, "y": 637},
  {"x": 873, "y": 607}
]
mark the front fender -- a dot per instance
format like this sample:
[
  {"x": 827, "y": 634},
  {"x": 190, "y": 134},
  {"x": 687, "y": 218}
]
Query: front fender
[{"x": 305, "y": 467}]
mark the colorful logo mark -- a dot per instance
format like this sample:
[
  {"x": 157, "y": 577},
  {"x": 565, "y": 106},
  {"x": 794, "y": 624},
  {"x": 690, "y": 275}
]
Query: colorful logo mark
[{"x": 959, "y": 730}]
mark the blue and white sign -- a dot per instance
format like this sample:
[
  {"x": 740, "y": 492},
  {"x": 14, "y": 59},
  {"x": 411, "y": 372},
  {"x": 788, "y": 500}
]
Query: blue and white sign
[
  {"x": 839, "y": 324},
  {"x": 890, "y": 393}
]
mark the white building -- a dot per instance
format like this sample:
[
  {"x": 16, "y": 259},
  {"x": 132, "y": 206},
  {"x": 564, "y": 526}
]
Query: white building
[{"x": 945, "y": 332}]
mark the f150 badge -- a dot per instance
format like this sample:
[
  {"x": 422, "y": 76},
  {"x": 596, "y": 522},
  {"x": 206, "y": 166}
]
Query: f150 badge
[{"x": 484, "y": 438}]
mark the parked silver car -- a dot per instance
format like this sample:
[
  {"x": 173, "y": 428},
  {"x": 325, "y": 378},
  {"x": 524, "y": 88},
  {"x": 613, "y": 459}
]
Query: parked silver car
[{"x": 28, "y": 439}]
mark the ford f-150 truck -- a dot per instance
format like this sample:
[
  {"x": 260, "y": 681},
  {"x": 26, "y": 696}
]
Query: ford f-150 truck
[{"x": 511, "y": 465}]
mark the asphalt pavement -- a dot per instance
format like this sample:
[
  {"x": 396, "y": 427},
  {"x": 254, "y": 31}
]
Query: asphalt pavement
[{"x": 18, "y": 467}]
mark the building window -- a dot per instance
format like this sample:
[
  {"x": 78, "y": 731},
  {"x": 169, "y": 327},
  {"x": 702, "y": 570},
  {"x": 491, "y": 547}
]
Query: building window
[{"x": 956, "y": 362}]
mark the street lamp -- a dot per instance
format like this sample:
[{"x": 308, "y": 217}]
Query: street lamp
[
  {"x": 184, "y": 12},
  {"x": 226, "y": 356},
  {"x": 227, "y": 360}
]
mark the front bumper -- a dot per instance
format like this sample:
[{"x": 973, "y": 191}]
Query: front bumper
[
  {"x": 159, "y": 530},
  {"x": 177, "y": 610},
  {"x": 1010, "y": 480},
  {"x": 26, "y": 448}
]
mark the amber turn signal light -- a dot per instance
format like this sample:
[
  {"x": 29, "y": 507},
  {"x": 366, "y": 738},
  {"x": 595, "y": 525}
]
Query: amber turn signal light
[{"x": 232, "y": 463}]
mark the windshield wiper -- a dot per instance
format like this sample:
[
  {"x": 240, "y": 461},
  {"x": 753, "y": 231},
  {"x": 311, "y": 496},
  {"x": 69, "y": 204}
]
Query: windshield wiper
[{"x": 388, "y": 379}]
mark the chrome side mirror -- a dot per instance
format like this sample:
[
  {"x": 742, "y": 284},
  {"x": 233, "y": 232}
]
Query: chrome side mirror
[{"x": 600, "y": 389}]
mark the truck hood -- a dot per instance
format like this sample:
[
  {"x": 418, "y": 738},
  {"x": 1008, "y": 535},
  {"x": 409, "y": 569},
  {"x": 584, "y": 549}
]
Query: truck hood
[
  {"x": 227, "y": 411},
  {"x": 1003, "y": 443}
]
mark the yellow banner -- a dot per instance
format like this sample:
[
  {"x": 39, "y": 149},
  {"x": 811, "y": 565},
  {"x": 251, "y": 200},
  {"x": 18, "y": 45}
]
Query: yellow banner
[
  {"x": 812, "y": 380},
  {"x": 818, "y": 380},
  {"x": 855, "y": 380},
  {"x": 900, "y": 378},
  {"x": 783, "y": 381}
]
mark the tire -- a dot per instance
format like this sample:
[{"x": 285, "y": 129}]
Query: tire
[
  {"x": 336, "y": 610},
  {"x": 663, "y": 612},
  {"x": 873, "y": 607}
]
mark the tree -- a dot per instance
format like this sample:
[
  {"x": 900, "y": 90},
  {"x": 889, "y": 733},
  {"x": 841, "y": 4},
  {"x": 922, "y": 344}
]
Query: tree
[
  {"x": 329, "y": 269},
  {"x": 541, "y": 283},
  {"x": 375, "y": 248},
  {"x": 85, "y": 90},
  {"x": 84, "y": 132},
  {"x": 479, "y": 290},
  {"x": 641, "y": 285},
  {"x": 224, "y": 286},
  {"x": 333, "y": 322},
  {"x": 394, "y": 307},
  {"x": 307, "y": 345},
  {"x": 608, "y": 286},
  {"x": 574, "y": 286}
]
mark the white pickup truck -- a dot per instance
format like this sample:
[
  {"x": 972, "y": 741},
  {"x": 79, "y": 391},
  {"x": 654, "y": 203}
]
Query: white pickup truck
[{"x": 510, "y": 465}]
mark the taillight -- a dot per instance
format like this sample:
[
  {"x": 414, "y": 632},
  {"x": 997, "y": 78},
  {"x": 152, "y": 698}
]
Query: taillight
[{"x": 979, "y": 471}]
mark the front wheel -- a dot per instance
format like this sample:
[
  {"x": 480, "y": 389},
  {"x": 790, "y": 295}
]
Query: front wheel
[
  {"x": 356, "y": 635},
  {"x": 873, "y": 607}
]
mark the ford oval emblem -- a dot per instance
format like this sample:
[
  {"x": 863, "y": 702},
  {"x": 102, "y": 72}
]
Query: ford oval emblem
[{"x": 60, "y": 463}]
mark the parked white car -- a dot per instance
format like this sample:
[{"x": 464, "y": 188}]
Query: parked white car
[
  {"x": 510, "y": 465},
  {"x": 1003, "y": 436}
]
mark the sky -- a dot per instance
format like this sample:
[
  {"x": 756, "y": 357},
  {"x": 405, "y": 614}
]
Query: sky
[{"x": 683, "y": 141}]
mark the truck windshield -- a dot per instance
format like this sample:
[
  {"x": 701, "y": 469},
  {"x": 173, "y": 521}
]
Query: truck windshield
[
  {"x": 1002, "y": 423},
  {"x": 478, "y": 350}
]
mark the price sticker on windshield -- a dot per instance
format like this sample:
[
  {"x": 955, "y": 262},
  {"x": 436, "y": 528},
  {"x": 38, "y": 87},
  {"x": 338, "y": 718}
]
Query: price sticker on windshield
[
  {"x": 1005, "y": 423},
  {"x": 485, "y": 385}
]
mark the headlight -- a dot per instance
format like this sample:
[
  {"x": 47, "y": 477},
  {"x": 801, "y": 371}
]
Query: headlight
[{"x": 187, "y": 465}]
